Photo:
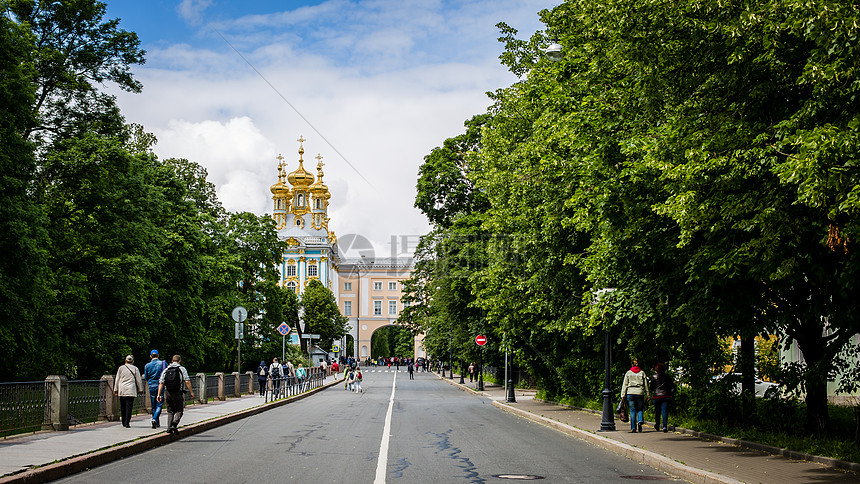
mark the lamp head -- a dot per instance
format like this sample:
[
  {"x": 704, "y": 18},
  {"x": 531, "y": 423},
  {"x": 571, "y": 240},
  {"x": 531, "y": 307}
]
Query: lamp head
[{"x": 555, "y": 52}]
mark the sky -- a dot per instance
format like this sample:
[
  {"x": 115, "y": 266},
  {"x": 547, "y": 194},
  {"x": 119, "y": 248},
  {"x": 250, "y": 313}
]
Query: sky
[{"x": 371, "y": 85}]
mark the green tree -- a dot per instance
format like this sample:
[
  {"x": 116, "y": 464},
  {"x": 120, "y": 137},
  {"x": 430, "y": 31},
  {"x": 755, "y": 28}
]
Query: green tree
[
  {"x": 75, "y": 50},
  {"x": 321, "y": 314},
  {"x": 24, "y": 277}
]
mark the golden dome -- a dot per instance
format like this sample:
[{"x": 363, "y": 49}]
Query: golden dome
[
  {"x": 300, "y": 178},
  {"x": 280, "y": 188},
  {"x": 319, "y": 187}
]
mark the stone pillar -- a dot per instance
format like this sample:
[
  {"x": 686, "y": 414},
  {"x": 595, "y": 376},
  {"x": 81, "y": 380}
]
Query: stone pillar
[
  {"x": 201, "y": 388},
  {"x": 111, "y": 410},
  {"x": 220, "y": 376},
  {"x": 237, "y": 385},
  {"x": 251, "y": 378},
  {"x": 58, "y": 402}
]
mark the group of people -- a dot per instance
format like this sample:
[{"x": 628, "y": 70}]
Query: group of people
[
  {"x": 637, "y": 386},
  {"x": 280, "y": 376},
  {"x": 161, "y": 378},
  {"x": 352, "y": 379}
]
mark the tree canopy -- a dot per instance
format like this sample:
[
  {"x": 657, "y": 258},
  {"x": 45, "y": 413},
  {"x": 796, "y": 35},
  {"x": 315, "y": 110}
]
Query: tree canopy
[{"x": 698, "y": 157}]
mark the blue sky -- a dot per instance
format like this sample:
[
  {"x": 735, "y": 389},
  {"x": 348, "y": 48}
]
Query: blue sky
[{"x": 372, "y": 86}]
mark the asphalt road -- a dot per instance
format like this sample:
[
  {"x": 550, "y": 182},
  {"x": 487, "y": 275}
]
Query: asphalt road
[{"x": 438, "y": 434}]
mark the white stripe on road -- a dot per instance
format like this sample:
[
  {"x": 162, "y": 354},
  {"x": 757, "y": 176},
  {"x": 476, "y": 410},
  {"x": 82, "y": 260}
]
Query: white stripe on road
[{"x": 382, "y": 464}]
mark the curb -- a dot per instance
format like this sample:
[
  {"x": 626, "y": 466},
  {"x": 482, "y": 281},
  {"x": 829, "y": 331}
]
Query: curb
[
  {"x": 651, "y": 459},
  {"x": 746, "y": 444},
  {"x": 80, "y": 463}
]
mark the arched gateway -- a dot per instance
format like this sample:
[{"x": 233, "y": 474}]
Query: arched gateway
[{"x": 370, "y": 295}]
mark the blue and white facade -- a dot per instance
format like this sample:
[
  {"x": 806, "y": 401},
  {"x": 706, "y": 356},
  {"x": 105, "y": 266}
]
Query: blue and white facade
[{"x": 301, "y": 216}]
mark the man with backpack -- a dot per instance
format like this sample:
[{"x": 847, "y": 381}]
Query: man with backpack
[
  {"x": 276, "y": 373},
  {"x": 171, "y": 380}
]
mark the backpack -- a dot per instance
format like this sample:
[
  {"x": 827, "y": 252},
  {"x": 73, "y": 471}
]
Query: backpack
[
  {"x": 358, "y": 376},
  {"x": 263, "y": 371},
  {"x": 276, "y": 372},
  {"x": 172, "y": 379}
]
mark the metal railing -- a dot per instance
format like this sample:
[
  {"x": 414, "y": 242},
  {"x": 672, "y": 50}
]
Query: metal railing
[
  {"x": 288, "y": 386},
  {"x": 23, "y": 406},
  {"x": 28, "y": 406},
  {"x": 87, "y": 400}
]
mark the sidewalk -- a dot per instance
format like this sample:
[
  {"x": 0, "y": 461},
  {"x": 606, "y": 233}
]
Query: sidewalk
[
  {"x": 48, "y": 455},
  {"x": 679, "y": 452}
]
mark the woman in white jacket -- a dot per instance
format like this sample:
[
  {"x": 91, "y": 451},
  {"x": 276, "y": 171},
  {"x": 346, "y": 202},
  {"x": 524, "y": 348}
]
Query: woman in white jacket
[{"x": 126, "y": 386}]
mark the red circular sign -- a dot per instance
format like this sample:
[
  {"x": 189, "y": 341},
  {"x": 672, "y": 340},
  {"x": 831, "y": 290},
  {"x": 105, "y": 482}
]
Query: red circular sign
[{"x": 481, "y": 340}]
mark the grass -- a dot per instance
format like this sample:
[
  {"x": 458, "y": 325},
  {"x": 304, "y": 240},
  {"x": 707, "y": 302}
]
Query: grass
[{"x": 774, "y": 424}]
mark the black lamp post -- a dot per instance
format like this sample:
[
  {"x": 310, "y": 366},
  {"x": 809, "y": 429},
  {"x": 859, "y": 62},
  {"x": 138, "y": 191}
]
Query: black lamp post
[
  {"x": 462, "y": 382},
  {"x": 607, "y": 423}
]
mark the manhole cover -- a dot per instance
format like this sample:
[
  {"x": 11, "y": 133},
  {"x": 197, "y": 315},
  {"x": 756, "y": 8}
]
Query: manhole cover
[{"x": 518, "y": 477}]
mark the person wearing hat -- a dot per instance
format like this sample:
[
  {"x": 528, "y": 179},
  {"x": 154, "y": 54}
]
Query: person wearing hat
[
  {"x": 152, "y": 373},
  {"x": 126, "y": 386}
]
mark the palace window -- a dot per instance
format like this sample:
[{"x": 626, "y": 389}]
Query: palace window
[
  {"x": 392, "y": 307},
  {"x": 347, "y": 308},
  {"x": 377, "y": 308},
  {"x": 291, "y": 286},
  {"x": 392, "y": 286},
  {"x": 291, "y": 270},
  {"x": 312, "y": 269},
  {"x": 347, "y": 286},
  {"x": 377, "y": 286}
]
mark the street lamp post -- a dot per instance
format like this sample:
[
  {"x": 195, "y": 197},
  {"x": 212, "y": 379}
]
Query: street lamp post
[{"x": 607, "y": 423}]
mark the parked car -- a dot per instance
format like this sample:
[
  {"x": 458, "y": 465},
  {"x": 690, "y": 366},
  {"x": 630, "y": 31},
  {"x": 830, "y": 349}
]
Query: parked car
[{"x": 762, "y": 388}]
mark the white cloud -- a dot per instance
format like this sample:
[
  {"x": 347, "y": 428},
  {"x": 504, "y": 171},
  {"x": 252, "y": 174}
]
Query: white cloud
[
  {"x": 192, "y": 10},
  {"x": 384, "y": 82}
]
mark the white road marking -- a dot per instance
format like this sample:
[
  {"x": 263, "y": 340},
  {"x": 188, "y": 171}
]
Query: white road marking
[{"x": 382, "y": 464}]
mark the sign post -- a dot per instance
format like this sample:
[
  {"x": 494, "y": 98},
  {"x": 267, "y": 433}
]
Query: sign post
[
  {"x": 240, "y": 314},
  {"x": 481, "y": 340},
  {"x": 284, "y": 329}
]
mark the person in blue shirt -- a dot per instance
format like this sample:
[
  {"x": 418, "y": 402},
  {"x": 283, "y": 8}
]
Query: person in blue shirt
[{"x": 152, "y": 372}]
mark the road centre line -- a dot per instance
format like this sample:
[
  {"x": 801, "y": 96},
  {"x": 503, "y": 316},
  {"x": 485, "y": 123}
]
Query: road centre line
[{"x": 382, "y": 463}]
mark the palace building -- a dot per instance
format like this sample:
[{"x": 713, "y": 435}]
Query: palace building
[
  {"x": 369, "y": 293},
  {"x": 301, "y": 218}
]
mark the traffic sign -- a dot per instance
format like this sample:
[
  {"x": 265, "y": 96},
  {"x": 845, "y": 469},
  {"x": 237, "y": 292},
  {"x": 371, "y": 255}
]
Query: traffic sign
[
  {"x": 240, "y": 314},
  {"x": 284, "y": 329},
  {"x": 481, "y": 340},
  {"x": 335, "y": 348}
]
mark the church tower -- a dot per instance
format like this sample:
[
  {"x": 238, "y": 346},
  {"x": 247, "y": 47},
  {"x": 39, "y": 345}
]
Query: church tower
[{"x": 301, "y": 218}]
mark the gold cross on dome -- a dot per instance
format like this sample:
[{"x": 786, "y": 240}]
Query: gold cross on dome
[
  {"x": 280, "y": 161},
  {"x": 301, "y": 139},
  {"x": 320, "y": 163}
]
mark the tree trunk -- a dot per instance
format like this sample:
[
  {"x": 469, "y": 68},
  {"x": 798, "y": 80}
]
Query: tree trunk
[
  {"x": 746, "y": 362},
  {"x": 817, "y": 365}
]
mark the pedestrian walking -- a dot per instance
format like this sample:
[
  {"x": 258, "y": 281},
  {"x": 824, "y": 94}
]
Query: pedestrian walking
[
  {"x": 152, "y": 373},
  {"x": 635, "y": 389},
  {"x": 348, "y": 379},
  {"x": 276, "y": 374},
  {"x": 357, "y": 381},
  {"x": 290, "y": 373},
  {"x": 262, "y": 377},
  {"x": 301, "y": 376},
  {"x": 411, "y": 371},
  {"x": 171, "y": 381},
  {"x": 664, "y": 390},
  {"x": 126, "y": 386},
  {"x": 471, "y": 372}
]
